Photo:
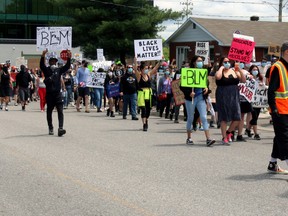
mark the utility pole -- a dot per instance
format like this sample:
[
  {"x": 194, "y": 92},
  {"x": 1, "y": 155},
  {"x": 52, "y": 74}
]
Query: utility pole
[
  {"x": 280, "y": 10},
  {"x": 187, "y": 10}
]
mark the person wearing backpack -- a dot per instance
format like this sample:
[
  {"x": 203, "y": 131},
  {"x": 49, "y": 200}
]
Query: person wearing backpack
[{"x": 53, "y": 89}]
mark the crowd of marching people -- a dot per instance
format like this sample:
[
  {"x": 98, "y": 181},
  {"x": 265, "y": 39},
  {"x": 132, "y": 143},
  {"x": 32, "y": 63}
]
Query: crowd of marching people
[{"x": 135, "y": 88}]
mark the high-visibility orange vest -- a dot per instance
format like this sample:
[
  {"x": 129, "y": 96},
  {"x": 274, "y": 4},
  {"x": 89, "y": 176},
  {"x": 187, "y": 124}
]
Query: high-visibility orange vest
[{"x": 281, "y": 94}]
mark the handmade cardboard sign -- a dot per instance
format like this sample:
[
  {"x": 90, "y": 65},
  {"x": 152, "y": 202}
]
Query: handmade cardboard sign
[
  {"x": 54, "y": 38},
  {"x": 148, "y": 49}
]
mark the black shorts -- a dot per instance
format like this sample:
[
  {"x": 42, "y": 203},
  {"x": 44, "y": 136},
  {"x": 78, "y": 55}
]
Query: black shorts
[
  {"x": 83, "y": 91},
  {"x": 23, "y": 94},
  {"x": 245, "y": 107},
  {"x": 5, "y": 91}
]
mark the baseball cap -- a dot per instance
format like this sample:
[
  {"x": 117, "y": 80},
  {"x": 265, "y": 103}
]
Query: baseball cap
[{"x": 284, "y": 47}]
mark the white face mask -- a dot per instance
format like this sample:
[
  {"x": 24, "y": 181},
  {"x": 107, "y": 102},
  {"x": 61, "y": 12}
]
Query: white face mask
[{"x": 53, "y": 67}]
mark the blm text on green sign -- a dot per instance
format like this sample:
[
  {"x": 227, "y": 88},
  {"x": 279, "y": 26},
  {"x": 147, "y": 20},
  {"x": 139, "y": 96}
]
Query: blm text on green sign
[{"x": 194, "y": 77}]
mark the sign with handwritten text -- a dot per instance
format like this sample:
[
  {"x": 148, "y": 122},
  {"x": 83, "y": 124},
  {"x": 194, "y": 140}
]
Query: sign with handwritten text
[
  {"x": 54, "y": 38},
  {"x": 241, "y": 50},
  {"x": 148, "y": 49},
  {"x": 194, "y": 77}
]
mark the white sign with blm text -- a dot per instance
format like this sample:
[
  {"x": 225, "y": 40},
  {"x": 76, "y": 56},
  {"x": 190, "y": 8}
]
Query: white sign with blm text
[
  {"x": 54, "y": 38},
  {"x": 202, "y": 49},
  {"x": 148, "y": 49}
]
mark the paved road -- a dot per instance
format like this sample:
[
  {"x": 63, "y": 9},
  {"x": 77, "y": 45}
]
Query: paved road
[{"x": 108, "y": 167}]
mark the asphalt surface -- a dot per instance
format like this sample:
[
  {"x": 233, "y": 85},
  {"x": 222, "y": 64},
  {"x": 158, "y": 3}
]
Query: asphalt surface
[{"x": 109, "y": 167}]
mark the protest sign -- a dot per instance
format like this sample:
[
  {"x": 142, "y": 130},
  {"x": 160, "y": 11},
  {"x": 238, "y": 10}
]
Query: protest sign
[
  {"x": 245, "y": 37},
  {"x": 148, "y": 49},
  {"x": 274, "y": 49},
  {"x": 96, "y": 80},
  {"x": 247, "y": 89},
  {"x": 194, "y": 77},
  {"x": 202, "y": 49},
  {"x": 260, "y": 99},
  {"x": 113, "y": 90},
  {"x": 54, "y": 38},
  {"x": 100, "y": 54},
  {"x": 178, "y": 95},
  {"x": 241, "y": 50},
  {"x": 101, "y": 64}
]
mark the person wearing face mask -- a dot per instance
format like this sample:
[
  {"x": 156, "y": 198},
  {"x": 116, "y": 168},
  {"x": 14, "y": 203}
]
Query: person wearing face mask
[
  {"x": 144, "y": 76},
  {"x": 246, "y": 109},
  {"x": 254, "y": 71},
  {"x": 54, "y": 98},
  {"x": 165, "y": 87},
  {"x": 227, "y": 98},
  {"x": 128, "y": 89},
  {"x": 110, "y": 80},
  {"x": 23, "y": 79},
  {"x": 278, "y": 103},
  {"x": 263, "y": 68},
  {"x": 195, "y": 98},
  {"x": 82, "y": 78}
]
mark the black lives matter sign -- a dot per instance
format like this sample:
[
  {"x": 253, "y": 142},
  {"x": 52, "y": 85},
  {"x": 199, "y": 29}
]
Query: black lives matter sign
[{"x": 148, "y": 49}]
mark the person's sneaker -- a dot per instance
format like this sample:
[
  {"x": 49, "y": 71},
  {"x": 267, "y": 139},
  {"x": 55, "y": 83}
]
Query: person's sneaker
[
  {"x": 176, "y": 121},
  {"x": 189, "y": 142},
  {"x": 171, "y": 117},
  {"x": 134, "y": 118},
  {"x": 23, "y": 108},
  {"x": 240, "y": 138},
  {"x": 51, "y": 132},
  {"x": 229, "y": 136},
  {"x": 257, "y": 137},
  {"x": 124, "y": 117},
  {"x": 6, "y": 108},
  {"x": 210, "y": 142},
  {"x": 248, "y": 133},
  {"x": 108, "y": 112},
  {"x": 61, "y": 132},
  {"x": 225, "y": 141},
  {"x": 275, "y": 169}
]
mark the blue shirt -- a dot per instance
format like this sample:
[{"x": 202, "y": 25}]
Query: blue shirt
[{"x": 82, "y": 75}]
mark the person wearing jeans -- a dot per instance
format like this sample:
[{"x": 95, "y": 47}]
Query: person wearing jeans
[
  {"x": 128, "y": 89},
  {"x": 195, "y": 97}
]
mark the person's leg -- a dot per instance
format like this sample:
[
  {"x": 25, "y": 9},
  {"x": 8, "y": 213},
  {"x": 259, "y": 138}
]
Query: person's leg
[
  {"x": 190, "y": 116},
  {"x": 126, "y": 99},
  {"x": 133, "y": 101},
  {"x": 50, "y": 107},
  {"x": 101, "y": 92},
  {"x": 176, "y": 110}
]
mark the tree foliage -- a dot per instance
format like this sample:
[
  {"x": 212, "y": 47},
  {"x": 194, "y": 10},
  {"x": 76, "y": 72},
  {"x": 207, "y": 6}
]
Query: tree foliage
[{"x": 112, "y": 24}]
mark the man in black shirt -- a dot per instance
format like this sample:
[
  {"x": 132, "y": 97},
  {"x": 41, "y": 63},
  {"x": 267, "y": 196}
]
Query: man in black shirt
[
  {"x": 23, "y": 79},
  {"x": 53, "y": 89},
  {"x": 128, "y": 89}
]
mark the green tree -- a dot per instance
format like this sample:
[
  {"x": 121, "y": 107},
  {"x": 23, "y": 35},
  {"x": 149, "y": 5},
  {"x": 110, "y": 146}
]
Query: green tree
[{"x": 112, "y": 24}]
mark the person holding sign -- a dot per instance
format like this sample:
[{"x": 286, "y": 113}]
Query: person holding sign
[
  {"x": 227, "y": 97},
  {"x": 111, "y": 81},
  {"x": 165, "y": 88},
  {"x": 255, "y": 72},
  {"x": 278, "y": 102},
  {"x": 195, "y": 98},
  {"x": 53, "y": 89},
  {"x": 145, "y": 92}
]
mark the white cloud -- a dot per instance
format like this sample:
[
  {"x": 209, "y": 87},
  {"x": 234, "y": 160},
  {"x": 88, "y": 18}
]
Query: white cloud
[{"x": 222, "y": 10}]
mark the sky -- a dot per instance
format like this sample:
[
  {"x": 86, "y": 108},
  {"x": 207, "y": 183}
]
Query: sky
[{"x": 223, "y": 9}]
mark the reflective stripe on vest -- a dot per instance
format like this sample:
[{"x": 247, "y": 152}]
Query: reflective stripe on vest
[{"x": 282, "y": 92}]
